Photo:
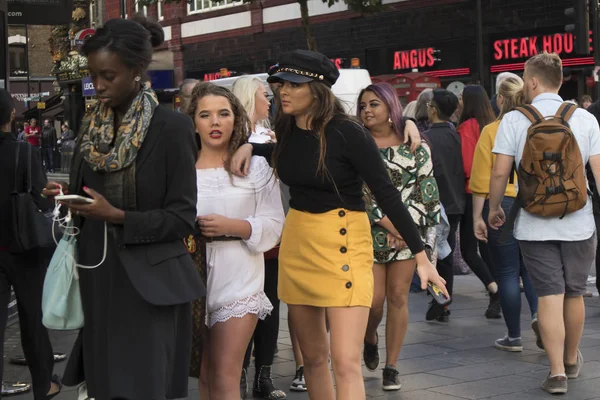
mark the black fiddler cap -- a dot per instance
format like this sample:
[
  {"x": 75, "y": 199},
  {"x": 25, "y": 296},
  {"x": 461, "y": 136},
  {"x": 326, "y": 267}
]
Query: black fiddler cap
[
  {"x": 445, "y": 101},
  {"x": 302, "y": 66}
]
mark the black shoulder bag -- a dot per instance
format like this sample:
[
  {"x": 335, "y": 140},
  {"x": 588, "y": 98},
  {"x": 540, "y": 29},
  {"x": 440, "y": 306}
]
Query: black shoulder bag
[{"x": 30, "y": 227}]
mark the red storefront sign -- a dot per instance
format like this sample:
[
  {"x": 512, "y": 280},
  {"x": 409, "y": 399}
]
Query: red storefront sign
[
  {"x": 415, "y": 58},
  {"x": 526, "y": 47}
]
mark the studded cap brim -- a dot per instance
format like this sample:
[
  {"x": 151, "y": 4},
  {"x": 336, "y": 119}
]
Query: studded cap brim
[{"x": 290, "y": 77}]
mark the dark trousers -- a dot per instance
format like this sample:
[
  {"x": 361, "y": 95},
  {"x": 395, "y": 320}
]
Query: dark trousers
[
  {"x": 508, "y": 267},
  {"x": 47, "y": 159},
  {"x": 25, "y": 273},
  {"x": 445, "y": 267},
  {"x": 469, "y": 246},
  {"x": 267, "y": 330}
]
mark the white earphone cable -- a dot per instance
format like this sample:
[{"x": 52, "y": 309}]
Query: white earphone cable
[{"x": 73, "y": 231}]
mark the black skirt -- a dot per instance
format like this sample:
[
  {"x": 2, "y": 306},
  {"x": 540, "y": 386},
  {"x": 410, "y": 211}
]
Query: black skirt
[{"x": 128, "y": 349}]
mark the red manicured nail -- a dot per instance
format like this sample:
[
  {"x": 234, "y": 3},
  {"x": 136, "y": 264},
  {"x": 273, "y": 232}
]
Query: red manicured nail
[{"x": 85, "y": 188}]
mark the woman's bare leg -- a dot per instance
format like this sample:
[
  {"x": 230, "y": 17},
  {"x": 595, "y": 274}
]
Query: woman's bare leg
[
  {"x": 348, "y": 325},
  {"x": 399, "y": 277},
  {"x": 309, "y": 325},
  {"x": 228, "y": 343}
]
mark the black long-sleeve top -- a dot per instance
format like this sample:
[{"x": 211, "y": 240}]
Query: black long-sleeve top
[{"x": 351, "y": 156}]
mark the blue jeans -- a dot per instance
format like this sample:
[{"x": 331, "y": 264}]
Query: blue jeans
[{"x": 508, "y": 268}]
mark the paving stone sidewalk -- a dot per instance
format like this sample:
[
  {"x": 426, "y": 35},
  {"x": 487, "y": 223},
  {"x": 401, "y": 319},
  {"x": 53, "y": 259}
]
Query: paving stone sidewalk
[{"x": 438, "y": 362}]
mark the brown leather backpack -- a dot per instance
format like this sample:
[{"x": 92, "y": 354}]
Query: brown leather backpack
[{"x": 551, "y": 173}]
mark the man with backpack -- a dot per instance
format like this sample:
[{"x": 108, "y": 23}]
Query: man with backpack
[{"x": 551, "y": 143}]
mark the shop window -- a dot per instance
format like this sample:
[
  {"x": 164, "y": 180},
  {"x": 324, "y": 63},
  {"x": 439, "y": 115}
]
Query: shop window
[
  {"x": 159, "y": 10},
  {"x": 198, "y": 6},
  {"x": 17, "y": 60},
  {"x": 141, "y": 9}
]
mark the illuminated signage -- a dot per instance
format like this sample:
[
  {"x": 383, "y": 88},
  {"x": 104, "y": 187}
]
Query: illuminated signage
[
  {"x": 526, "y": 47},
  {"x": 415, "y": 58}
]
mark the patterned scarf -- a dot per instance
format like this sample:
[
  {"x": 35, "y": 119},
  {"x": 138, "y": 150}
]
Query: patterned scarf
[{"x": 98, "y": 132}]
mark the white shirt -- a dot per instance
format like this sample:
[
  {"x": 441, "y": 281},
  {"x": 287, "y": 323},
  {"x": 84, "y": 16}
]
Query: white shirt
[
  {"x": 510, "y": 141},
  {"x": 259, "y": 135},
  {"x": 236, "y": 272}
]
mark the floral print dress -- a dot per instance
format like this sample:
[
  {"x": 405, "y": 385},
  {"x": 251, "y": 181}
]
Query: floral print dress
[{"x": 412, "y": 175}]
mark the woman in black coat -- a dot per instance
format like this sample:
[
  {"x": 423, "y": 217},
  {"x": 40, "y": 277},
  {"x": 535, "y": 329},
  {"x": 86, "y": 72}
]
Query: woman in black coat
[{"x": 136, "y": 160}]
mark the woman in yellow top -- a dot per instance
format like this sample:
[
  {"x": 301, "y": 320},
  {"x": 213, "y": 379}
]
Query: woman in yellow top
[{"x": 506, "y": 254}]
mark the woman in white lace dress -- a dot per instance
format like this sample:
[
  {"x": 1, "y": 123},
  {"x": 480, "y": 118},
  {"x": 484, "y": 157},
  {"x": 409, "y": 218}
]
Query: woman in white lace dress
[{"x": 242, "y": 218}]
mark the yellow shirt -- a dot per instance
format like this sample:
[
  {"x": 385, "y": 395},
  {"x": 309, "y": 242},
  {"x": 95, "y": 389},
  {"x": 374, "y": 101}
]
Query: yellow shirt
[{"x": 483, "y": 163}]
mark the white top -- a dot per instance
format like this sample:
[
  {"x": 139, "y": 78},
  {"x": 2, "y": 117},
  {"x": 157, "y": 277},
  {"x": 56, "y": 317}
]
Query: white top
[
  {"x": 260, "y": 135},
  {"x": 510, "y": 141},
  {"x": 235, "y": 269}
]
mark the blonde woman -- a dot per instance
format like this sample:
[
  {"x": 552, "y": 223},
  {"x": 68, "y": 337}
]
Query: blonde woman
[
  {"x": 506, "y": 255},
  {"x": 253, "y": 96}
]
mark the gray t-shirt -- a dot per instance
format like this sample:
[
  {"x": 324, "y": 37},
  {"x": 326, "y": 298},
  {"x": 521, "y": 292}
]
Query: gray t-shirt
[{"x": 510, "y": 141}]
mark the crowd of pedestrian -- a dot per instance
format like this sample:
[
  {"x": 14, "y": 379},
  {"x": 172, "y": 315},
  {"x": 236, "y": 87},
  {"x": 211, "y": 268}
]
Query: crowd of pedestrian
[{"x": 201, "y": 220}]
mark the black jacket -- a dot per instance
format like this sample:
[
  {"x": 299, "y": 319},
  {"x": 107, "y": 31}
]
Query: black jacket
[
  {"x": 448, "y": 170},
  {"x": 8, "y": 148},
  {"x": 48, "y": 137},
  {"x": 151, "y": 244}
]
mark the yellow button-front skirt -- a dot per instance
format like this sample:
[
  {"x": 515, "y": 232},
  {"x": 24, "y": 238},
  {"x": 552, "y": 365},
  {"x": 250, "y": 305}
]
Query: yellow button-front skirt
[{"x": 326, "y": 260}]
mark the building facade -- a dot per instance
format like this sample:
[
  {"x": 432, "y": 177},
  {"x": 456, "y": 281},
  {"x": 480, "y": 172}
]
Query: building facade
[
  {"x": 441, "y": 38},
  {"x": 38, "y": 67}
]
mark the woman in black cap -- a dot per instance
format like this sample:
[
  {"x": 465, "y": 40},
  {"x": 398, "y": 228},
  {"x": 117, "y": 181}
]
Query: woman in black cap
[{"x": 326, "y": 254}]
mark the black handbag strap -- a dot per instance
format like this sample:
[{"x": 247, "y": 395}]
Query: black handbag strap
[
  {"x": 17, "y": 157},
  {"x": 16, "y": 186},
  {"x": 29, "y": 185}
]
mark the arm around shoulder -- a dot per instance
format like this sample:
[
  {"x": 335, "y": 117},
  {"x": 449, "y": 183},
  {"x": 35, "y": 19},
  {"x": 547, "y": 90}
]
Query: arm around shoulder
[{"x": 268, "y": 218}]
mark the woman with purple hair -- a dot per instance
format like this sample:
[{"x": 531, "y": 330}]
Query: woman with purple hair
[{"x": 412, "y": 174}]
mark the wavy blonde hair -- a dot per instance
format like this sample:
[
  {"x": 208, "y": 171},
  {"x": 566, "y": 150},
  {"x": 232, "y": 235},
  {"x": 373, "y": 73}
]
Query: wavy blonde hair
[
  {"x": 511, "y": 90},
  {"x": 245, "y": 89}
]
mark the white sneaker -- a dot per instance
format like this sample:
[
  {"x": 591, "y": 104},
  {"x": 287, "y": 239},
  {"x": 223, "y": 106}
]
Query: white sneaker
[{"x": 82, "y": 393}]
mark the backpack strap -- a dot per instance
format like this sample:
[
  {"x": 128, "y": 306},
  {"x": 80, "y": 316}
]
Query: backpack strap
[
  {"x": 531, "y": 113},
  {"x": 565, "y": 112}
]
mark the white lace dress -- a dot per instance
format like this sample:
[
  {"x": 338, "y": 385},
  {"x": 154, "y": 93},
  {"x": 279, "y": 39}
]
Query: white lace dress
[{"x": 236, "y": 272}]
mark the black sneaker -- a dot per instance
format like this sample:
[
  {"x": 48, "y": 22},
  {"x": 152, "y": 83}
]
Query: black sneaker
[
  {"x": 371, "y": 355},
  {"x": 445, "y": 317},
  {"x": 299, "y": 384},
  {"x": 435, "y": 311},
  {"x": 391, "y": 379},
  {"x": 494, "y": 310},
  {"x": 507, "y": 344}
]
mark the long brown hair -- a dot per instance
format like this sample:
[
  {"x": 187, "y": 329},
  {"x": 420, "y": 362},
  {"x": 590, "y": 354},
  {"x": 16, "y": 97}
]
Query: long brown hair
[
  {"x": 241, "y": 123},
  {"x": 476, "y": 104},
  {"x": 323, "y": 109}
]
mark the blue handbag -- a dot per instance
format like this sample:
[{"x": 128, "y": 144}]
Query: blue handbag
[
  {"x": 61, "y": 300},
  {"x": 62, "y": 308}
]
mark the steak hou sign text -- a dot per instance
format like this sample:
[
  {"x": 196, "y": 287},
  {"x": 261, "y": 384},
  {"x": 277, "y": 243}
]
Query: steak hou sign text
[{"x": 526, "y": 47}]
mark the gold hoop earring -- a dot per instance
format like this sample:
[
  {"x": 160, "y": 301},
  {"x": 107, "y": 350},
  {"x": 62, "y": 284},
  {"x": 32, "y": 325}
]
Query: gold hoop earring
[{"x": 390, "y": 122}]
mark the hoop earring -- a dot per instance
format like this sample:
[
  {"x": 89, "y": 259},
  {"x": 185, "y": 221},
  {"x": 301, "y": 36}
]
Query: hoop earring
[
  {"x": 390, "y": 122},
  {"x": 138, "y": 78}
]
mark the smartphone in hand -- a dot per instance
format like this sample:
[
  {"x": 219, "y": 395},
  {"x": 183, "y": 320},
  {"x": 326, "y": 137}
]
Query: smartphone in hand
[
  {"x": 74, "y": 199},
  {"x": 438, "y": 295}
]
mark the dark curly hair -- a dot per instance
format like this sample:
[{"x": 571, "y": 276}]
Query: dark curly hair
[
  {"x": 242, "y": 128},
  {"x": 132, "y": 40}
]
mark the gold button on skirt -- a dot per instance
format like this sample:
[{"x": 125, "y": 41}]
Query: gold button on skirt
[{"x": 326, "y": 260}]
